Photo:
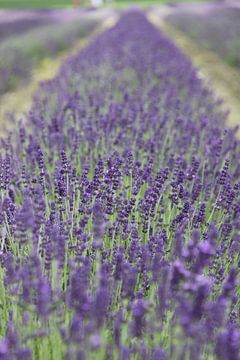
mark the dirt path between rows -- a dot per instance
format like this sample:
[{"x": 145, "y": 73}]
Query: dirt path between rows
[
  {"x": 19, "y": 101},
  {"x": 220, "y": 77}
]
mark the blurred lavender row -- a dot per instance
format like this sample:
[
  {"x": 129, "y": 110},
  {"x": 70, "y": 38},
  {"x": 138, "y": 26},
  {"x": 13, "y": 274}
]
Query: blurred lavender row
[
  {"x": 8, "y": 29},
  {"x": 215, "y": 27},
  {"x": 12, "y": 16},
  {"x": 56, "y": 31}
]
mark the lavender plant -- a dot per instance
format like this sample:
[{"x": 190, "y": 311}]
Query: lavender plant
[{"x": 120, "y": 210}]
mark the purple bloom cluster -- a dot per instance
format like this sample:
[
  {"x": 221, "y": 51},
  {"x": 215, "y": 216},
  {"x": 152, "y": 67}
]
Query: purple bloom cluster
[{"x": 120, "y": 210}]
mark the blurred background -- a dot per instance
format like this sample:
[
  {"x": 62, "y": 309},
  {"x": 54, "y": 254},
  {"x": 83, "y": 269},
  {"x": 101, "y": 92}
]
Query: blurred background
[{"x": 37, "y": 35}]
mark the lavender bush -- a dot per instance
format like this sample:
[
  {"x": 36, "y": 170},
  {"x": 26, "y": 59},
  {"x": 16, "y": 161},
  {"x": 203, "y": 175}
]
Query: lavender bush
[
  {"x": 120, "y": 211},
  {"x": 217, "y": 30}
]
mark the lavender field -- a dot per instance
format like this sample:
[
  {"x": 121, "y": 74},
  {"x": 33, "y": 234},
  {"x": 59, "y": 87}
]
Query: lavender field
[{"x": 120, "y": 210}]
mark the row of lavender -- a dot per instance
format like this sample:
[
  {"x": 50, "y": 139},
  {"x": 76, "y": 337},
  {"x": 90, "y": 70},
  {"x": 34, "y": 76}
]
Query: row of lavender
[
  {"x": 21, "y": 21},
  {"x": 120, "y": 211},
  {"x": 217, "y": 29},
  {"x": 8, "y": 29},
  {"x": 35, "y": 39}
]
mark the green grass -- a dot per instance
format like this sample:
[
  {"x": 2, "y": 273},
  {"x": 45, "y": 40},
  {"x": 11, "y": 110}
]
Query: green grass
[
  {"x": 122, "y": 4},
  {"x": 24, "y": 4},
  {"x": 157, "y": 2},
  {"x": 14, "y": 4}
]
